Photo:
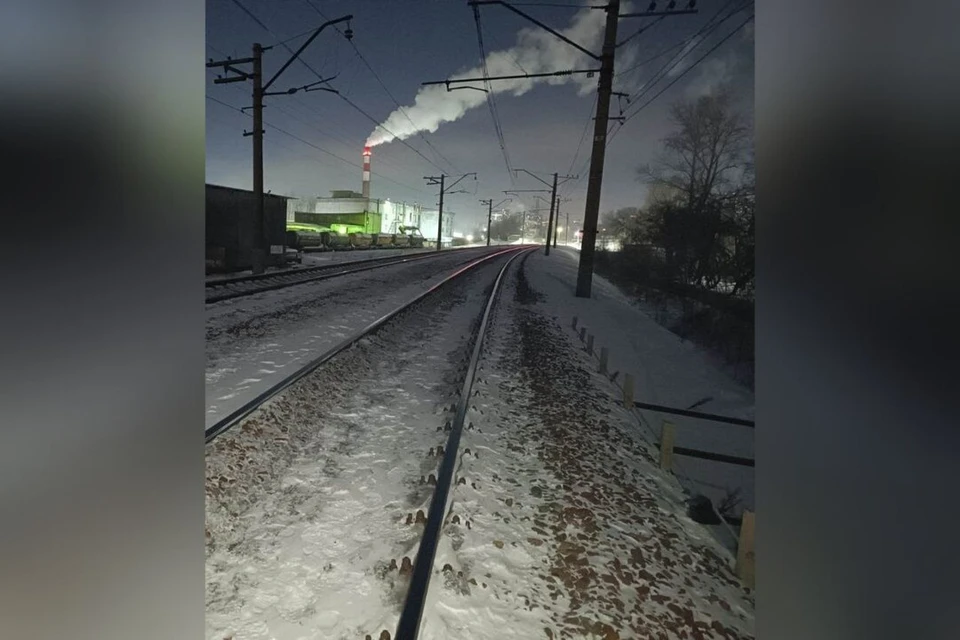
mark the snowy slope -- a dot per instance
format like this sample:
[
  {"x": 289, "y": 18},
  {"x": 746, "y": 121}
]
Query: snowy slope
[
  {"x": 666, "y": 371},
  {"x": 563, "y": 525}
]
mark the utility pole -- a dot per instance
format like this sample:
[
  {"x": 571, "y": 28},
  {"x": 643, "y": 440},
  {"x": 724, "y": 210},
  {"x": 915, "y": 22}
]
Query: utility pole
[
  {"x": 260, "y": 248},
  {"x": 605, "y": 89},
  {"x": 490, "y": 206},
  {"x": 558, "y": 224},
  {"x": 440, "y": 180},
  {"x": 566, "y": 229},
  {"x": 553, "y": 196},
  {"x": 592, "y": 210},
  {"x": 553, "y": 201},
  {"x": 260, "y": 235},
  {"x": 440, "y": 215}
]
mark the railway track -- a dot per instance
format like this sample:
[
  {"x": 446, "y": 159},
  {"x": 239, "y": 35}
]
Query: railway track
[
  {"x": 422, "y": 567},
  {"x": 239, "y": 414},
  {"x": 409, "y": 625},
  {"x": 231, "y": 288}
]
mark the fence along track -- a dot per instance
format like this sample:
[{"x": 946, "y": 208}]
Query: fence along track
[
  {"x": 409, "y": 624},
  {"x": 228, "y": 289},
  {"x": 236, "y": 416}
]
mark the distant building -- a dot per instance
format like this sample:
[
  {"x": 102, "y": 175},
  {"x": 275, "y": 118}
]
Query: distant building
[{"x": 375, "y": 215}]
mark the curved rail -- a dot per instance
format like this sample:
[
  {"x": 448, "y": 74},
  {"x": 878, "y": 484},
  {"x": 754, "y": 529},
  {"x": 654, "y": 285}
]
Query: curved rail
[
  {"x": 236, "y": 416},
  {"x": 409, "y": 625},
  {"x": 227, "y": 289}
]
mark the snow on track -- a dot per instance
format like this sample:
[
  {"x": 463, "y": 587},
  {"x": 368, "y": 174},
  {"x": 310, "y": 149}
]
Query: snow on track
[
  {"x": 308, "y": 500},
  {"x": 254, "y": 342},
  {"x": 563, "y": 526}
]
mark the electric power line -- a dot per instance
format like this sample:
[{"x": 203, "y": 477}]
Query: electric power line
[
  {"x": 320, "y": 77},
  {"x": 491, "y": 102},
  {"x": 703, "y": 33},
  {"x": 315, "y": 146},
  {"x": 281, "y": 43},
  {"x": 339, "y": 139},
  {"x": 387, "y": 91},
  {"x": 583, "y": 135},
  {"x": 684, "y": 72}
]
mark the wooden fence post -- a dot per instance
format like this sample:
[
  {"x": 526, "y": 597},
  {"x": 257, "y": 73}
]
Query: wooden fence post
[
  {"x": 628, "y": 390},
  {"x": 666, "y": 446},
  {"x": 746, "y": 557},
  {"x": 574, "y": 323},
  {"x": 604, "y": 354},
  {"x": 590, "y": 344},
  {"x": 583, "y": 334}
]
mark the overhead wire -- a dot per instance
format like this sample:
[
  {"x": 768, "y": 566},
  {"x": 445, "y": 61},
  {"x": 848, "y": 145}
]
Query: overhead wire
[
  {"x": 282, "y": 43},
  {"x": 491, "y": 102},
  {"x": 386, "y": 90},
  {"x": 339, "y": 139},
  {"x": 320, "y": 77},
  {"x": 311, "y": 144},
  {"x": 685, "y": 71},
  {"x": 702, "y": 33}
]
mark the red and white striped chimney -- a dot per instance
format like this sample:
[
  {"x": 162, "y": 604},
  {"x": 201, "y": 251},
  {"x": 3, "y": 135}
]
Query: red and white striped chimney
[{"x": 366, "y": 173}]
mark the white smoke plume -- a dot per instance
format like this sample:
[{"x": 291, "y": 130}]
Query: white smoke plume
[{"x": 536, "y": 51}]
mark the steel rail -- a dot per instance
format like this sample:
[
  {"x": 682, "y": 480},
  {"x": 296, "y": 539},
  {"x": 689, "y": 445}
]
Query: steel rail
[
  {"x": 324, "y": 272},
  {"x": 409, "y": 624},
  {"x": 239, "y": 414}
]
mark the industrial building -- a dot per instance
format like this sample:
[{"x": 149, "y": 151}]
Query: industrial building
[{"x": 344, "y": 211}]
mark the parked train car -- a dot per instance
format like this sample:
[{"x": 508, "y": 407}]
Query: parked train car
[
  {"x": 230, "y": 215},
  {"x": 343, "y": 237}
]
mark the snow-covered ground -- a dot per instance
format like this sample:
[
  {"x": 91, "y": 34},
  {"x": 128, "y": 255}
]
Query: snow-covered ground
[
  {"x": 563, "y": 526},
  {"x": 666, "y": 371},
  {"x": 314, "y": 258},
  {"x": 308, "y": 501},
  {"x": 255, "y": 341},
  {"x": 560, "y": 522}
]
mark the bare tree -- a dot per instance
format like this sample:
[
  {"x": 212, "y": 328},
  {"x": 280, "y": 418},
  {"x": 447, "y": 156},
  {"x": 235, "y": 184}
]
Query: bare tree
[
  {"x": 699, "y": 210},
  {"x": 699, "y": 157}
]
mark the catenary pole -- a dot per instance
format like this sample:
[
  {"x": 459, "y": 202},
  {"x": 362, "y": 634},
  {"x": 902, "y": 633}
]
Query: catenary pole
[
  {"x": 592, "y": 210},
  {"x": 260, "y": 237}
]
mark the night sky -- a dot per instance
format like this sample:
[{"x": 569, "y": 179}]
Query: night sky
[{"x": 407, "y": 42}]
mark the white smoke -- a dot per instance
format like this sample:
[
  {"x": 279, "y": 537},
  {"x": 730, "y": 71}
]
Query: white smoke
[{"x": 536, "y": 51}]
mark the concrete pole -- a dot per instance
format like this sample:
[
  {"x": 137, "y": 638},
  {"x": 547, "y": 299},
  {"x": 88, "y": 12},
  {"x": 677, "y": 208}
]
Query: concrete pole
[{"x": 592, "y": 210}]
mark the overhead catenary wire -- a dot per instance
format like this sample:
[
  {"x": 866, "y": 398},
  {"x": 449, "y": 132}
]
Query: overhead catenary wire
[
  {"x": 402, "y": 110},
  {"x": 304, "y": 120},
  {"x": 491, "y": 101},
  {"x": 314, "y": 146},
  {"x": 583, "y": 134},
  {"x": 376, "y": 122},
  {"x": 387, "y": 91},
  {"x": 685, "y": 71},
  {"x": 702, "y": 33},
  {"x": 321, "y": 78},
  {"x": 282, "y": 43},
  {"x": 655, "y": 56}
]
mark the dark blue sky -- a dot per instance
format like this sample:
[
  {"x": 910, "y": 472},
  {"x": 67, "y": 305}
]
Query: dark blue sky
[{"x": 411, "y": 41}]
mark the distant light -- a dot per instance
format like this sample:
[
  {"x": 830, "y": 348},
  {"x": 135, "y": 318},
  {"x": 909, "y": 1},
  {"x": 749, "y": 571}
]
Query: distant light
[{"x": 469, "y": 238}]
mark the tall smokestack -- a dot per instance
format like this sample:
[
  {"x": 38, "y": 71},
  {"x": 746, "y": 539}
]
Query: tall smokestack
[{"x": 366, "y": 173}]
